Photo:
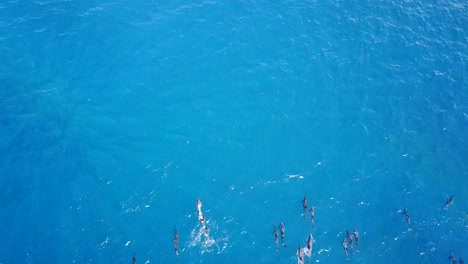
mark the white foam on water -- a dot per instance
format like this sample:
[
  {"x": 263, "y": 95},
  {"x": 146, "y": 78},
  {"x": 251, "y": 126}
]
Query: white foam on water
[{"x": 206, "y": 241}]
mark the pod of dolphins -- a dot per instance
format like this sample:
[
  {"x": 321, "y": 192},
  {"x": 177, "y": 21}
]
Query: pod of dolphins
[
  {"x": 348, "y": 241},
  {"x": 302, "y": 252}
]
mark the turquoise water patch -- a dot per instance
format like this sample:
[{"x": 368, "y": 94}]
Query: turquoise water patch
[{"x": 116, "y": 116}]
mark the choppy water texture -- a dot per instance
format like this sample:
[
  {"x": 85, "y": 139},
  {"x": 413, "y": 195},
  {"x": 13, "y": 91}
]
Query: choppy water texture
[{"x": 116, "y": 116}]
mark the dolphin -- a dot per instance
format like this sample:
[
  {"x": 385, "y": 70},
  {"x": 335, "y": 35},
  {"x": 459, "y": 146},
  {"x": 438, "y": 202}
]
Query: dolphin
[
  {"x": 175, "y": 241},
  {"x": 356, "y": 237},
  {"x": 448, "y": 203},
  {"x": 350, "y": 239},
  {"x": 201, "y": 216},
  {"x": 460, "y": 261},
  {"x": 345, "y": 246},
  {"x": 300, "y": 256},
  {"x": 275, "y": 234},
  {"x": 283, "y": 233},
  {"x": 407, "y": 217},
  {"x": 199, "y": 206},
  {"x": 308, "y": 250},
  {"x": 304, "y": 205},
  {"x": 312, "y": 213},
  {"x": 452, "y": 258},
  {"x": 134, "y": 258}
]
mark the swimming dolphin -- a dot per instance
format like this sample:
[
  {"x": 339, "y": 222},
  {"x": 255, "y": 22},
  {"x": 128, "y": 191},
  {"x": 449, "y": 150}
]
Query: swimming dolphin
[
  {"x": 356, "y": 237},
  {"x": 199, "y": 206},
  {"x": 452, "y": 258},
  {"x": 201, "y": 216},
  {"x": 460, "y": 261},
  {"x": 350, "y": 239},
  {"x": 282, "y": 231},
  {"x": 308, "y": 250},
  {"x": 345, "y": 246},
  {"x": 304, "y": 205},
  {"x": 134, "y": 258},
  {"x": 175, "y": 242},
  {"x": 300, "y": 256},
  {"x": 448, "y": 203},
  {"x": 312, "y": 213},
  {"x": 275, "y": 234},
  {"x": 407, "y": 217}
]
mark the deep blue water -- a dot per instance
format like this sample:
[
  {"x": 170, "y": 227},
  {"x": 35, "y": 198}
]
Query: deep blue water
[{"x": 116, "y": 116}]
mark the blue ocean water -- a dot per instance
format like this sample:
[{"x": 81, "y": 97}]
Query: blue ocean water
[{"x": 115, "y": 116}]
